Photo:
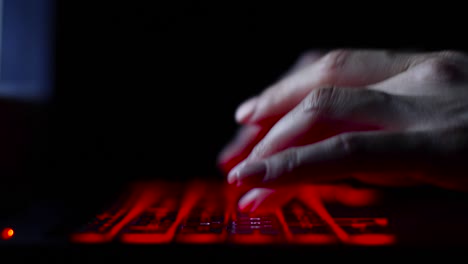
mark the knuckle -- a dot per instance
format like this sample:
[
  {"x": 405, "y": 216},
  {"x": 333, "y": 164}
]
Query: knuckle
[
  {"x": 333, "y": 62},
  {"x": 453, "y": 54},
  {"x": 319, "y": 100},
  {"x": 439, "y": 70}
]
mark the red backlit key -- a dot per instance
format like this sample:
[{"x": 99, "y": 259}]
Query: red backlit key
[
  {"x": 105, "y": 226},
  {"x": 250, "y": 228},
  {"x": 154, "y": 224},
  {"x": 207, "y": 221},
  {"x": 159, "y": 222},
  {"x": 305, "y": 226},
  {"x": 201, "y": 212}
]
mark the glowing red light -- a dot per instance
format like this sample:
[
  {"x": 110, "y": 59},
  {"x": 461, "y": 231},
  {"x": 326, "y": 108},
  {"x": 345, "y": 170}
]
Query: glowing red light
[
  {"x": 203, "y": 200},
  {"x": 140, "y": 198},
  {"x": 7, "y": 233},
  {"x": 372, "y": 239},
  {"x": 197, "y": 189}
]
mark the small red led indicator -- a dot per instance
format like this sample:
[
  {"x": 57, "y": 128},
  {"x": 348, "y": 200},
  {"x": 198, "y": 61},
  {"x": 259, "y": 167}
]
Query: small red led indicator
[{"x": 7, "y": 233}]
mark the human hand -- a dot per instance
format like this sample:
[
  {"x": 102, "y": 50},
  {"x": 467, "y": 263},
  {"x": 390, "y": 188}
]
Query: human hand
[
  {"x": 379, "y": 117},
  {"x": 268, "y": 199}
]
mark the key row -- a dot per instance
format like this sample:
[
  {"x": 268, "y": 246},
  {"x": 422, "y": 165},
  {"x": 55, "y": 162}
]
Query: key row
[{"x": 165, "y": 215}]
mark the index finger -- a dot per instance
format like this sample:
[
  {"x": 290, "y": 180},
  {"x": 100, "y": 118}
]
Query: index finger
[{"x": 337, "y": 68}]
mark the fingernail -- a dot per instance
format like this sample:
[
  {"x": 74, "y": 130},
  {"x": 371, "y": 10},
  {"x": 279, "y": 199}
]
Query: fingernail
[
  {"x": 246, "y": 110},
  {"x": 245, "y": 207},
  {"x": 233, "y": 176}
]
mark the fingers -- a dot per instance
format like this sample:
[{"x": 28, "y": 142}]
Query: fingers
[
  {"x": 327, "y": 112},
  {"x": 270, "y": 199},
  {"x": 240, "y": 147},
  {"x": 342, "y": 67},
  {"x": 357, "y": 67},
  {"x": 385, "y": 104},
  {"x": 357, "y": 152},
  {"x": 431, "y": 77},
  {"x": 265, "y": 199}
]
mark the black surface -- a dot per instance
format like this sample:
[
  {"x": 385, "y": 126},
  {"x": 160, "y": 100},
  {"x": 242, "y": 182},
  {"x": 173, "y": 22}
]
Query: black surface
[{"x": 223, "y": 254}]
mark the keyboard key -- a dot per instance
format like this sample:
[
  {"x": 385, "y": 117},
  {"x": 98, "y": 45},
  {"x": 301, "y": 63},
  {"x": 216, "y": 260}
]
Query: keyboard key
[
  {"x": 207, "y": 221},
  {"x": 164, "y": 215},
  {"x": 303, "y": 226},
  {"x": 105, "y": 226},
  {"x": 250, "y": 228},
  {"x": 201, "y": 212},
  {"x": 154, "y": 224}
]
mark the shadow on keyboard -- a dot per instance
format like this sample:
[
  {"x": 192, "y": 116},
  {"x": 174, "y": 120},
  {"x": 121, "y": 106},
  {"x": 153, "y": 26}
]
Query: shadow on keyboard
[{"x": 206, "y": 213}]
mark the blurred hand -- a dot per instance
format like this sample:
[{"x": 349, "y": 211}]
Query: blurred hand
[
  {"x": 379, "y": 117},
  {"x": 268, "y": 199}
]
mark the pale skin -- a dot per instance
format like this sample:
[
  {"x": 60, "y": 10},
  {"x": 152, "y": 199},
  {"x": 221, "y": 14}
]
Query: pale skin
[{"x": 379, "y": 117}]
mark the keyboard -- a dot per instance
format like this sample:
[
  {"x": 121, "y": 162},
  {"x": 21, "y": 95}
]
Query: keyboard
[{"x": 202, "y": 212}]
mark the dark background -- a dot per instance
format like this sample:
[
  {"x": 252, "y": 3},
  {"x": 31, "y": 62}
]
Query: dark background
[{"x": 148, "y": 89}]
